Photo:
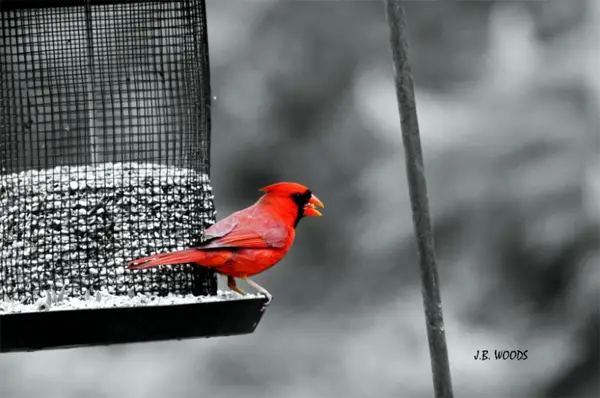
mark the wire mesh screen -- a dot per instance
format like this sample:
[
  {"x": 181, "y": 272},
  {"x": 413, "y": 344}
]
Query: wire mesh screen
[{"x": 104, "y": 145}]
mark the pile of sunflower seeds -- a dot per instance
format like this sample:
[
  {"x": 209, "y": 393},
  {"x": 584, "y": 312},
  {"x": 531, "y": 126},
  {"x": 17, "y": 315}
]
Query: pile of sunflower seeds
[
  {"x": 103, "y": 299},
  {"x": 74, "y": 228}
]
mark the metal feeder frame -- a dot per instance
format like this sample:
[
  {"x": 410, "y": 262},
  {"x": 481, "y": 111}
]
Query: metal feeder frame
[{"x": 53, "y": 329}]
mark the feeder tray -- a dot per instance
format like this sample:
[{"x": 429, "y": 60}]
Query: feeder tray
[
  {"x": 103, "y": 326},
  {"x": 104, "y": 158}
]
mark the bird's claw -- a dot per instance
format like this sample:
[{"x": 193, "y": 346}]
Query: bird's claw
[{"x": 267, "y": 295}]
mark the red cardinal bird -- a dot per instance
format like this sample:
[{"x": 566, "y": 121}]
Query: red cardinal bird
[{"x": 249, "y": 241}]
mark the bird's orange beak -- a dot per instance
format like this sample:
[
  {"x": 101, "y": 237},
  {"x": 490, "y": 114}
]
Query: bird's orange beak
[{"x": 310, "y": 208}]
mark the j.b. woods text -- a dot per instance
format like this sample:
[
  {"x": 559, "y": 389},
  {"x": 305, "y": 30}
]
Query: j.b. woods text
[{"x": 503, "y": 355}]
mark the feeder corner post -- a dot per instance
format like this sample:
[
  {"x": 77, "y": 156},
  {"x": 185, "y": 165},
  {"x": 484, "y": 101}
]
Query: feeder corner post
[{"x": 417, "y": 187}]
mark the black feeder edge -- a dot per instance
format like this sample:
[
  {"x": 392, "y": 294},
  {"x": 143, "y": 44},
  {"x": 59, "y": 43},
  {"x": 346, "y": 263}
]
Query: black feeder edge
[
  {"x": 55, "y": 329},
  {"x": 105, "y": 326}
]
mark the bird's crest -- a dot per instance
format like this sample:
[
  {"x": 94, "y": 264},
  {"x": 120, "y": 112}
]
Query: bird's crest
[{"x": 288, "y": 188}]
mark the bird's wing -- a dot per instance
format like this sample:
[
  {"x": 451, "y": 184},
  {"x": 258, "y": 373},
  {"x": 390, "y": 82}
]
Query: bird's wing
[
  {"x": 221, "y": 228},
  {"x": 246, "y": 230}
]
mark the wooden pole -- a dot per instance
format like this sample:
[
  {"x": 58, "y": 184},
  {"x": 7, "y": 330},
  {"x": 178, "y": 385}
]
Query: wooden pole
[{"x": 432, "y": 302}]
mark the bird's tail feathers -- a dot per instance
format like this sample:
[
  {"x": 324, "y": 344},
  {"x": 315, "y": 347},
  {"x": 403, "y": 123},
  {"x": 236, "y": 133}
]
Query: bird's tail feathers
[{"x": 179, "y": 257}]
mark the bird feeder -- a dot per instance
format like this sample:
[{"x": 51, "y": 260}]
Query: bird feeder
[{"x": 104, "y": 158}]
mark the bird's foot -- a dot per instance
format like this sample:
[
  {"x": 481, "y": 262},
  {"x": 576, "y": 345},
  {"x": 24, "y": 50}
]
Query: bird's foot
[
  {"x": 268, "y": 296},
  {"x": 232, "y": 285},
  {"x": 239, "y": 291},
  {"x": 260, "y": 290}
]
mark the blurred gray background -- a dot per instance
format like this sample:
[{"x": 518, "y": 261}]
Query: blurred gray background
[{"x": 508, "y": 100}]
